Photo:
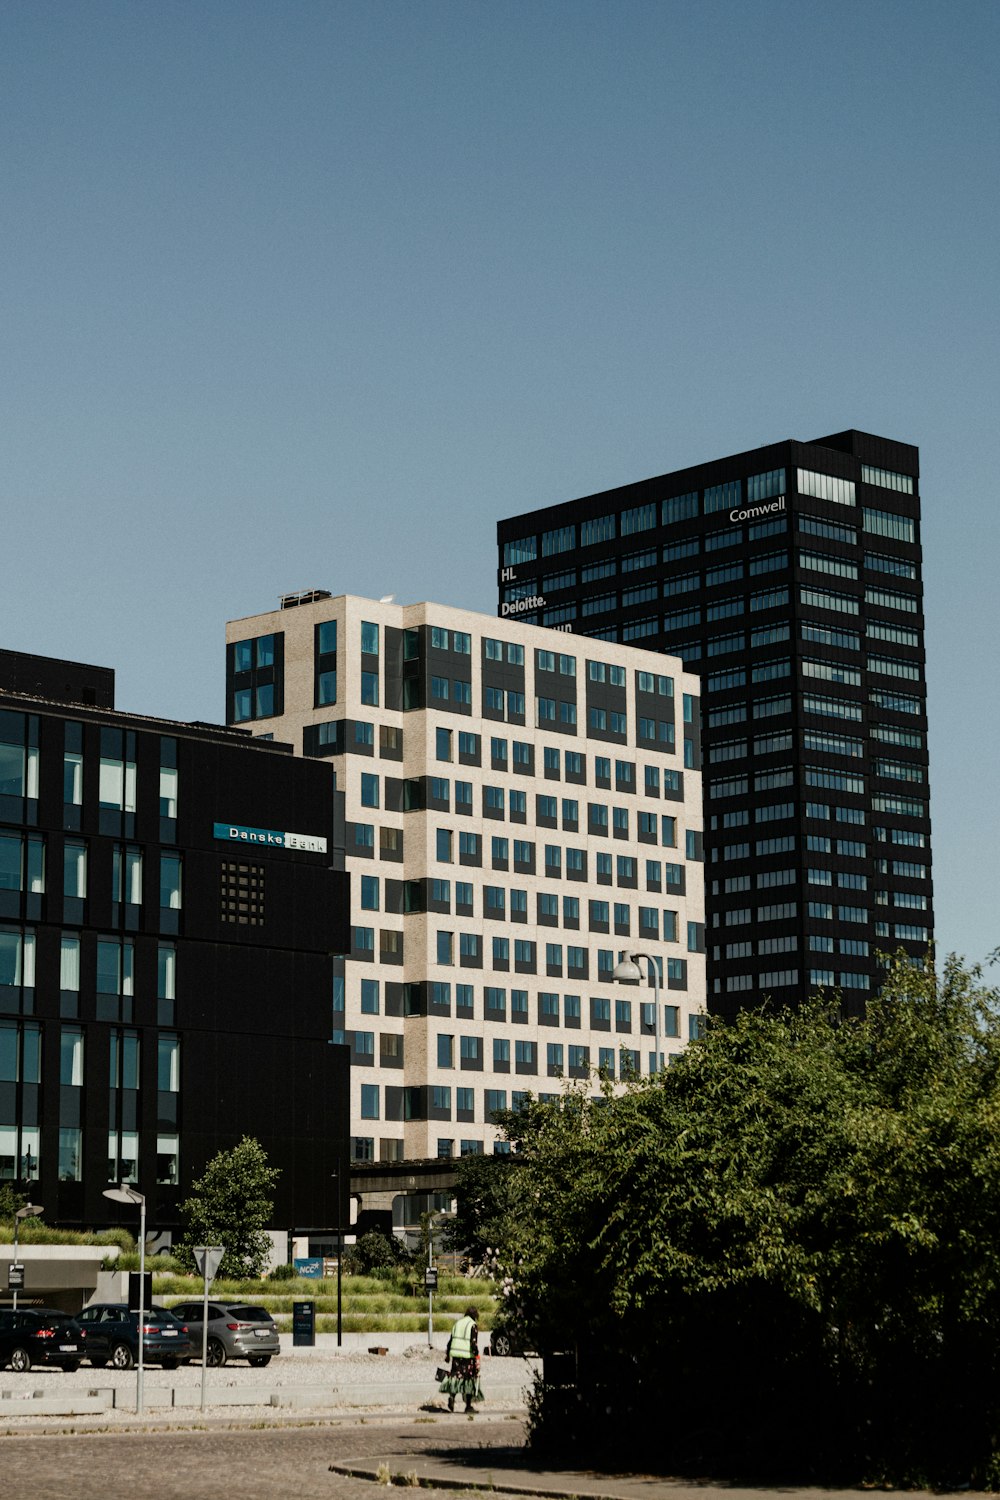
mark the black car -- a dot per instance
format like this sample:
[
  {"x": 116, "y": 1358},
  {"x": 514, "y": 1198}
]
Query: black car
[
  {"x": 111, "y": 1336},
  {"x": 39, "y": 1336}
]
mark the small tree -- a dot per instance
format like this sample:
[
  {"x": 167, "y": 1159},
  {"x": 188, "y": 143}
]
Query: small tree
[
  {"x": 375, "y": 1252},
  {"x": 490, "y": 1202},
  {"x": 230, "y": 1205},
  {"x": 10, "y": 1202}
]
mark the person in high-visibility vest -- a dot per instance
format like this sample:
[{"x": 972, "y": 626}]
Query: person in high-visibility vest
[{"x": 463, "y": 1351}]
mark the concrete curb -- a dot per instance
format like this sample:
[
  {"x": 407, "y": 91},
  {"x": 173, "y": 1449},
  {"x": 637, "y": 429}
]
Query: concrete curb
[{"x": 336, "y": 1397}]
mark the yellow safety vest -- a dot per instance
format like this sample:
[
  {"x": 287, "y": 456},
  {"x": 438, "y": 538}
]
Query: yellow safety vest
[{"x": 461, "y": 1338}]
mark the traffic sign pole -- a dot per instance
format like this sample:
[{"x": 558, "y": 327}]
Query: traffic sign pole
[{"x": 207, "y": 1258}]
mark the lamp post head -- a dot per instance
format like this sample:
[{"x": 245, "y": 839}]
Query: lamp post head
[
  {"x": 29, "y": 1211},
  {"x": 627, "y": 971},
  {"x": 124, "y": 1194}
]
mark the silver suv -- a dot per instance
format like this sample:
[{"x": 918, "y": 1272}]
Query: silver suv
[{"x": 235, "y": 1331}]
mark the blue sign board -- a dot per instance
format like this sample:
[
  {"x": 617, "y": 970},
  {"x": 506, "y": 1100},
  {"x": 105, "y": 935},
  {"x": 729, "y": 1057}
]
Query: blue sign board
[{"x": 311, "y": 1265}]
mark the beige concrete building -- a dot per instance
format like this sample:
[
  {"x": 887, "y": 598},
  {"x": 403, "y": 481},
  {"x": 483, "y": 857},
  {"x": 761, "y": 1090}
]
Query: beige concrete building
[{"x": 519, "y": 807}]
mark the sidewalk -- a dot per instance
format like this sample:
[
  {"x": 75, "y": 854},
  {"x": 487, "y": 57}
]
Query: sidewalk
[{"x": 512, "y": 1471}]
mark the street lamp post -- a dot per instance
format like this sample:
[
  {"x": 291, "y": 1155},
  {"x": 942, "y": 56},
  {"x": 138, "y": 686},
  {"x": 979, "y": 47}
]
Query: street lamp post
[
  {"x": 340, "y": 1261},
  {"x": 627, "y": 970},
  {"x": 126, "y": 1194},
  {"x": 29, "y": 1211}
]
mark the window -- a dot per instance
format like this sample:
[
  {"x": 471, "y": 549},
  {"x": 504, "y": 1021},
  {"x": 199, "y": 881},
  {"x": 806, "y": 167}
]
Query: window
[
  {"x": 561, "y": 539},
  {"x": 897, "y": 567},
  {"x": 825, "y": 487},
  {"x": 885, "y": 523}
]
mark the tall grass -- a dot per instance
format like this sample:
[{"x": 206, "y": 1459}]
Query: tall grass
[{"x": 32, "y": 1232}]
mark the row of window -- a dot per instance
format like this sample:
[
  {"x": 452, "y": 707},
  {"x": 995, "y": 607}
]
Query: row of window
[
  {"x": 823, "y": 911},
  {"x": 556, "y": 762},
  {"x": 469, "y": 848},
  {"x": 720, "y": 497},
  {"x": 471, "y": 944},
  {"x": 20, "y": 1057},
  {"x": 636, "y": 562},
  {"x": 834, "y": 708},
  {"x": 827, "y": 671},
  {"x": 20, "y": 763},
  {"x": 23, "y": 861},
  {"x": 443, "y": 1099}
]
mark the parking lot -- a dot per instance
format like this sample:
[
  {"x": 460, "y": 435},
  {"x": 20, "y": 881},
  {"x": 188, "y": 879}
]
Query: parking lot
[{"x": 310, "y": 1379}]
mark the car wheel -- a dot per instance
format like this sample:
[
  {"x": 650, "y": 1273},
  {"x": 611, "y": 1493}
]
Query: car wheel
[
  {"x": 122, "y": 1357},
  {"x": 261, "y": 1359},
  {"x": 170, "y": 1364},
  {"x": 20, "y": 1360},
  {"x": 501, "y": 1344},
  {"x": 216, "y": 1356},
  {"x": 72, "y": 1368}
]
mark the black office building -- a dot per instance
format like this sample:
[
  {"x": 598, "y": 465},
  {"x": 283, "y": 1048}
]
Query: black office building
[
  {"x": 168, "y": 916},
  {"x": 789, "y": 578}
]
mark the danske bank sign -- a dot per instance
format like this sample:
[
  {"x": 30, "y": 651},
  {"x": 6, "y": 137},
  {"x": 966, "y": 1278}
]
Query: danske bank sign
[{"x": 239, "y": 834}]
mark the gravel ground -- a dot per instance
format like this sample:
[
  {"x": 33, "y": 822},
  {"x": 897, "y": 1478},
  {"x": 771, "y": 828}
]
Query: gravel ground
[{"x": 410, "y": 1373}]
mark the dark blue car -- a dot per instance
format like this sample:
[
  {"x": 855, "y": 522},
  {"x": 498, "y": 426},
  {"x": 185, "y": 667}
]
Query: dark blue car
[{"x": 111, "y": 1336}]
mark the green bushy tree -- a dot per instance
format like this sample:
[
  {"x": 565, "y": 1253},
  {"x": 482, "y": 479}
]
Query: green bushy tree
[
  {"x": 230, "y": 1205},
  {"x": 10, "y": 1202},
  {"x": 375, "y": 1252},
  {"x": 794, "y": 1232},
  {"x": 489, "y": 1196}
]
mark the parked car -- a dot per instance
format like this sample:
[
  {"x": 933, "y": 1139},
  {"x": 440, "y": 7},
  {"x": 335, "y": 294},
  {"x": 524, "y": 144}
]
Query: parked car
[
  {"x": 39, "y": 1336},
  {"x": 111, "y": 1336},
  {"x": 235, "y": 1331}
]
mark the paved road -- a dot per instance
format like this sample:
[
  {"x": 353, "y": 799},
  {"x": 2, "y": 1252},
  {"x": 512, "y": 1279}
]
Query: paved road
[
  {"x": 260, "y": 1464},
  {"x": 274, "y": 1462}
]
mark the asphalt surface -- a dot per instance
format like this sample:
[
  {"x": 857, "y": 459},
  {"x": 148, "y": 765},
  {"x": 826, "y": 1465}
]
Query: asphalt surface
[
  {"x": 343, "y": 1458},
  {"x": 338, "y": 1451}
]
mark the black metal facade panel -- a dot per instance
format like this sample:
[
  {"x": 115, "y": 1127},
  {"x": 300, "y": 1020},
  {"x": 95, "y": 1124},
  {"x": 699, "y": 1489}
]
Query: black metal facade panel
[{"x": 61, "y": 681}]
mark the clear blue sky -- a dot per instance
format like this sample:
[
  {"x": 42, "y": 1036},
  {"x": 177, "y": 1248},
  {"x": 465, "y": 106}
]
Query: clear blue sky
[{"x": 304, "y": 294}]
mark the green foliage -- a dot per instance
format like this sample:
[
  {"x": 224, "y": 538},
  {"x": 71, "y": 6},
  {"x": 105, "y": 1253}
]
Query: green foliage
[
  {"x": 10, "y": 1202},
  {"x": 797, "y": 1224},
  {"x": 283, "y": 1273},
  {"x": 230, "y": 1205},
  {"x": 37, "y": 1232},
  {"x": 376, "y": 1254},
  {"x": 488, "y": 1224}
]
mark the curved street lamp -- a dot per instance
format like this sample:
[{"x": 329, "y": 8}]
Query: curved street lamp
[
  {"x": 627, "y": 971},
  {"x": 29, "y": 1211},
  {"x": 126, "y": 1194}
]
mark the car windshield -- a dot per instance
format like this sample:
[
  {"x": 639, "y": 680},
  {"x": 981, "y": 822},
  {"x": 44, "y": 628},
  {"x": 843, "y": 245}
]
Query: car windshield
[{"x": 250, "y": 1314}]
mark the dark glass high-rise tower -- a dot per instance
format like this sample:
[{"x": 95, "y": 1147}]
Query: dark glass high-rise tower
[{"x": 789, "y": 578}]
